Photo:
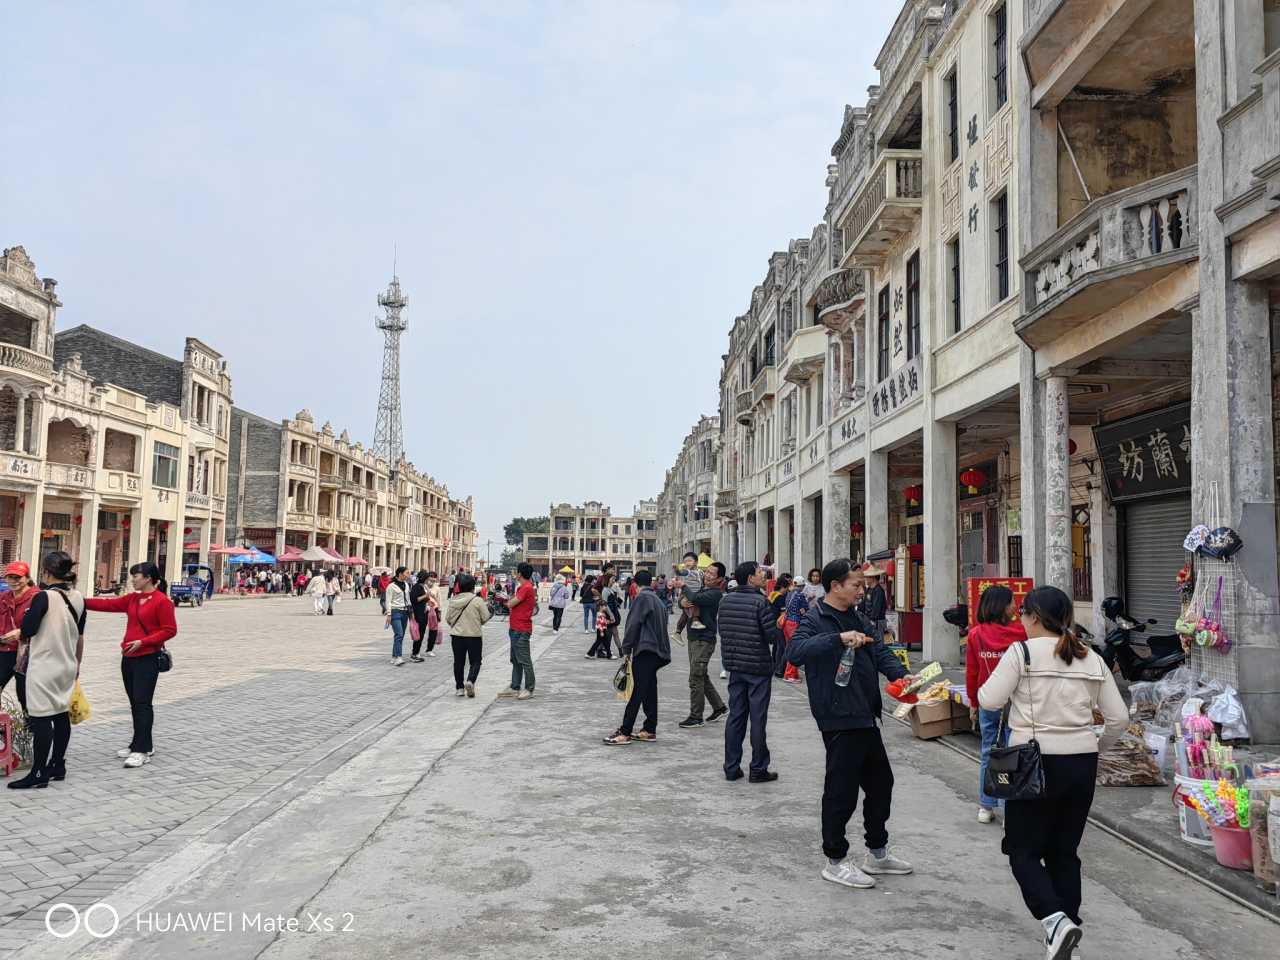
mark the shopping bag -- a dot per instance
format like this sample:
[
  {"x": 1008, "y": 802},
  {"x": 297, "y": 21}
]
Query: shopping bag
[
  {"x": 414, "y": 633},
  {"x": 624, "y": 680},
  {"x": 79, "y": 708}
]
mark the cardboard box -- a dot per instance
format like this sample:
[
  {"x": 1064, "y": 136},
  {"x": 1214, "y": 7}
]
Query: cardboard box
[{"x": 937, "y": 718}]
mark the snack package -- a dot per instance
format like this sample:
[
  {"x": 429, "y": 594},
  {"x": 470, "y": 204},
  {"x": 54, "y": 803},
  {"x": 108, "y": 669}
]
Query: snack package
[{"x": 928, "y": 673}]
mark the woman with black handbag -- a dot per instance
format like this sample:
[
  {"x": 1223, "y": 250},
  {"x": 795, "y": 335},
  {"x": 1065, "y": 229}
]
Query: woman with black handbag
[
  {"x": 150, "y": 624},
  {"x": 1052, "y": 683}
]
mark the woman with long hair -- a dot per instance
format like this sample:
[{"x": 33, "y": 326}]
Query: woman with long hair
[
  {"x": 419, "y": 594},
  {"x": 53, "y": 630},
  {"x": 996, "y": 630},
  {"x": 1052, "y": 683},
  {"x": 150, "y": 623},
  {"x": 398, "y": 610},
  {"x": 587, "y": 596}
]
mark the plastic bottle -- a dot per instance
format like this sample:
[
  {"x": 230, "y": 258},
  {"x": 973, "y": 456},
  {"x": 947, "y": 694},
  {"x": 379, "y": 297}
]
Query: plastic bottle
[{"x": 845, "y": 670}]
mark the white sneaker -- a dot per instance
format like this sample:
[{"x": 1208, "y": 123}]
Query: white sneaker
[
  {"x": 846, "y": 874},
  {"x": 460, "y": 692},
  {"x": 137, "y": 759},
  {"x": 398, "y": 661},
  {"x": 431, "y": 653},
  {"x": 524, "y": 695},
  {"x": 985, "y": 815},
  {"x": 1061, "y": 936},
  {"x": 888, "y": 864},
  {"x": 126, "y": 753}
]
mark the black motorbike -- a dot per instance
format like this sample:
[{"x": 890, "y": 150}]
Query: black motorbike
[{"x": 1123, "y": 651}]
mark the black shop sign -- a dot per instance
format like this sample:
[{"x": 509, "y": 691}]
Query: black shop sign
[{"x": 1148, "y": 455}]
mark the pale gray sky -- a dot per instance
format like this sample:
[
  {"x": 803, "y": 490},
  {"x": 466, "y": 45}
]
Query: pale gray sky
[{"x": 582, "y": 196}]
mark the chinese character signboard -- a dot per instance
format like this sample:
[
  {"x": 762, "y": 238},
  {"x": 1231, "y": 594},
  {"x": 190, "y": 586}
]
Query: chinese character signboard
[
  {"x": 975, "y": 586},
  {"x": 899, "y": 389},
  {"x": 1148, "y": 455}
]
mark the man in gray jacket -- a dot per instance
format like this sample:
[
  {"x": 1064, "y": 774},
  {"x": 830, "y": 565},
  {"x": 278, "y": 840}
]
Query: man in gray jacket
[
  {"x": 648, "y": 647},
  {"x": 748, "y": 633}
]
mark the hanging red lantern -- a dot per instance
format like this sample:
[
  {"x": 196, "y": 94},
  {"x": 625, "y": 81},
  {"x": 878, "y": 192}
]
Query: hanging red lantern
[
  {"x": 127, "y": 522},
  {"x": 1071, "y": 447},
  {"x": 79, "y": 519},
  {"x": 914, "y": 494},
  {"x": 973, "y": 478},
  {"x": 856, "y": 529},
  {"x": 186, "y": 531}
]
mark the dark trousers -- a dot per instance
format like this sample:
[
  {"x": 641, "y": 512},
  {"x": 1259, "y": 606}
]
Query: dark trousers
[
  {"x": 140, "y": 675},
  {"x": 644, "y": 693},
  {"x": 464, "y": 649},
  {"x": 749, "y": 695},
  {"x": 557, "y": 613},
  {"x": 855, "y": 760},
  {"x": 603, "y": 647},
  {"x": 432, "y": 637},
  {"x": 49, "y": 738},
  {"x": 1041, "y": 836},
  {"x": 701, "y": 689},
  {"x": 421, "y": 621}
]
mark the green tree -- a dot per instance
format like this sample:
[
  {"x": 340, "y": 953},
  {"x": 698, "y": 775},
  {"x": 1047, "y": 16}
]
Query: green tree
[
  {"x": 519, "y": 526},
  {"x": 510, "y": 559}
]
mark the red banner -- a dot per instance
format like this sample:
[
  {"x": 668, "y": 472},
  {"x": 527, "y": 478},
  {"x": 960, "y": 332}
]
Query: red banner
[{"x": 1020, "y": 586}]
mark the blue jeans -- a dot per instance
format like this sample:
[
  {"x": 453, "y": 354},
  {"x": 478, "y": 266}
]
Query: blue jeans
[
  {"x": 989, "y": 725},
  {"x": 588, "y": 616},
  {"x": 521, "y": 660},
  {"x": 749, "y": 695},
  {"x": 399, "y": 621}
]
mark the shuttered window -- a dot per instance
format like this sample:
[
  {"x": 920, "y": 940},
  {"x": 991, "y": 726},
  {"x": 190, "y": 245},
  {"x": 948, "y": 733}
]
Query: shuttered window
[{"x": 1153, "y": 554}]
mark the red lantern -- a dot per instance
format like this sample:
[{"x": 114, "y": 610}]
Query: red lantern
[
  {"x": 973, "y": 479},
  {"x": 186, "y": 531},
  {"x": 79, "y": 519},
  {"x": 127, "y": 522},
  {"x": 856, "y": 529},
  {"x": 1071, "y": 447},
  {"x": 914, "y": 494}
]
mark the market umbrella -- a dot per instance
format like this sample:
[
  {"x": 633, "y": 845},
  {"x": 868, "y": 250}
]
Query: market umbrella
[
  {"x": 253, "y": 556},
  {"x": 227, "y": 551},
  {"x": 356, "y": 562},
  {"x": 566, "y": 569},
  {"x": 314, "y": 554}
]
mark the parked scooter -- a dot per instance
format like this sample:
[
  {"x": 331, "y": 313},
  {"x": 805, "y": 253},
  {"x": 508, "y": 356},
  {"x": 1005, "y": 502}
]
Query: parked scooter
[{"x": 1164, "y": 652}]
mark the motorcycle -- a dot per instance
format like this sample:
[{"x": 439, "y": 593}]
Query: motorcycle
[{"x": 1164, "y": 652}]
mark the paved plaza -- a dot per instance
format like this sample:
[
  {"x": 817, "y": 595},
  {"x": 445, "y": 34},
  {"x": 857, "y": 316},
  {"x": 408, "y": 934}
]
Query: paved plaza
[{"x": 307, "y": 799}]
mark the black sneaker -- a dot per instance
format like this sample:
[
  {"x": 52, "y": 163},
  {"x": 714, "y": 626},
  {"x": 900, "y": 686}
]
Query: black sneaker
[
  {"x": 417, "y": 659},
  {"x": 690, "y": 722},
  {"x": 717, "y": 714},
  {"x": 767, "y": 777},
  {"x": 733, "y": 774}
]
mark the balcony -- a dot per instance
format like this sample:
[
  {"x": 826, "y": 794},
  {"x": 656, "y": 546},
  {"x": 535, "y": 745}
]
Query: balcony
[
  {"x": 324, "y": 523},
  {"x": 838, "y": 298},
  {"x": 296, "y": 521},
  {"x": 122, "y": 483},
  {"x": 197, "y": 500},
  {"x": 742, "y": 406},
  {"x": 330, "y": 480},
  {"x": 19, "y": 466},
  {"x": 765, "y": 385},
  {"x": 1251, "y": 165},
  {"x": 27, "y": 363},
  {"x": 886, "y": 207},
  {"x": 69, "y": 475},
  {"x": 806, "y": 353},
  {"x": 1115, "y": 248}
]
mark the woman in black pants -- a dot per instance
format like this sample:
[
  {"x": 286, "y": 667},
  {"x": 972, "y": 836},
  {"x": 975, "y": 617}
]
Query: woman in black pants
[
  {"x": 466, "y": 617},
  {"x": 418, "y": 594},
  {"x": 1053, "y": 682}
]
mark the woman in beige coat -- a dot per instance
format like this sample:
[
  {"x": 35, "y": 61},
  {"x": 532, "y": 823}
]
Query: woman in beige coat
[{"x": 466, "y": 617}]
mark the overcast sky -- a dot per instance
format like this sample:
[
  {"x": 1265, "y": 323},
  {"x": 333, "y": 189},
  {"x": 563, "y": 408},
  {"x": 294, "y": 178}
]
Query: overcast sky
[{"x": 581, "y": 197}]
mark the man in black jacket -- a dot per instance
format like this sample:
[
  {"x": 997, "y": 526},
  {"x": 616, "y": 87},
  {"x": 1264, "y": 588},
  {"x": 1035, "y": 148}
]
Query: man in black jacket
[
  {"x": 748, "y": 631},
  {"x": 702, "y": 644},
  {"x": 848, "y": 716},
  {"x": 648, "y": 646}
]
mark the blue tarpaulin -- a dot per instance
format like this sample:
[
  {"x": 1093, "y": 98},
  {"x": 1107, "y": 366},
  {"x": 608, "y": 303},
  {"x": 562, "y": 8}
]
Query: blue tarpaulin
[{"x": 253, "y": 556}]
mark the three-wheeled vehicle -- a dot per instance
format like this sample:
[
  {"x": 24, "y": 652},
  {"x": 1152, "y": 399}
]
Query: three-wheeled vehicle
[{"x": 195, "y": 587}]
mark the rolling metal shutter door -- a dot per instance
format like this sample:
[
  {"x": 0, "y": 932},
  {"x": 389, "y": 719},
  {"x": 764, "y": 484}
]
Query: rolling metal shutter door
[{"x": 1153, "y": 534}]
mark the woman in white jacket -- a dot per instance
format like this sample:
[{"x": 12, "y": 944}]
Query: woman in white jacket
[
  {"x": 560, "y": 593},
  {"x": 318, "y": 589},
  {"x": 1052, "y": 684}
]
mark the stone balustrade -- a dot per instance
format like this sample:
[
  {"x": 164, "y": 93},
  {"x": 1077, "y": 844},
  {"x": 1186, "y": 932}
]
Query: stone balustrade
[
  {"x": 35, "y": 365},
  {"x": 886, "y": 206},
  {"x": 69, "y": 475}
]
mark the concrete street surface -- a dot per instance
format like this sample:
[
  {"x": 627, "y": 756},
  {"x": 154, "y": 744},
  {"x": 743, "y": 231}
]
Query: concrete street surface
[{"x": 308, "y": 800}]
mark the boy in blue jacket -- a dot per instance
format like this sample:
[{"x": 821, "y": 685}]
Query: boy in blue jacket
[{"x": 848, "y": 718}]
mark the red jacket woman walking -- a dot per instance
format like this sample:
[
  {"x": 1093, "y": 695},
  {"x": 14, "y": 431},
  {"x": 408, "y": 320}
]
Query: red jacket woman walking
[{"x": 150, "y": 623}]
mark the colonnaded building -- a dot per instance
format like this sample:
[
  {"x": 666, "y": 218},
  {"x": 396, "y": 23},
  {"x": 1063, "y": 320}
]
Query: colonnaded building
[
  {"x": 1033, "y": 332},
  {"x": 586, "y": 537},
  {"x": 118, "y": 454}
]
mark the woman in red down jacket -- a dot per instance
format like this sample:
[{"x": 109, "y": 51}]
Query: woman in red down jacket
[
  {"x": 150, "y": 623},
  {"x": 998, "y": 627}
]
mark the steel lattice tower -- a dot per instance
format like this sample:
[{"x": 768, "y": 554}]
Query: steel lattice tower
[{"x": 388, "y": 438}]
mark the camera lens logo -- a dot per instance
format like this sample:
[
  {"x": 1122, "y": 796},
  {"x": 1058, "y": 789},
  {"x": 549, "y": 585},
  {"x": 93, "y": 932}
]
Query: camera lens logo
[{"x": 99, "y": 920}]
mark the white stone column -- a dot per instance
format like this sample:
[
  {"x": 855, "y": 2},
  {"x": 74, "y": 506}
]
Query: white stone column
[
  {"x": 941, "y": 560},
  {"x": 835, "y": 517},
  {"x": 1057, "y": 487},
  {"x": 205, "y": 535},
  {"x": 786, "y": 556},
  {"x": 1031, "y": 467},
  {"x": 32, "y": 524},
  {"x": 86, "y": 555},
  {"x": 19, "y": 443},
  {"x": 876, "y": 500},
  {"x": 173, "y": 561},
  {"x": 1104, "y": 555}
]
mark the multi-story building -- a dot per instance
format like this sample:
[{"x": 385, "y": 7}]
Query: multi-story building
[
  {"x": 296, "y": 486},
  {"x": 586, "y": 537},
  {"x": 686, "y": 506},
  {"x": 1033, "y": 333},
  {"x": 116, "y": 454}
]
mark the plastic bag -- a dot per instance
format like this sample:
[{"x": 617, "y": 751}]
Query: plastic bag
[
  {"x": 1228, "y": 711},
  {"x": 79, "y": 708},
  {"x": 624, "y": 680},
  {"x": 1143, "y": 700}
]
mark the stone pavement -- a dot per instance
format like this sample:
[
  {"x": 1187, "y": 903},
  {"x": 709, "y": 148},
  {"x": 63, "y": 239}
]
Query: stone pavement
[{"x": 385, "y": 818}]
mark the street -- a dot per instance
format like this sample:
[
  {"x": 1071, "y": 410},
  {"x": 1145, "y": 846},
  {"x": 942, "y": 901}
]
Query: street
[{"x": 307, "y": 799}]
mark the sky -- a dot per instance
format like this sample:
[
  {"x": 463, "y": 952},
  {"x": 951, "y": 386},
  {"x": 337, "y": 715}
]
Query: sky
[{"x": 578, "y": 199}]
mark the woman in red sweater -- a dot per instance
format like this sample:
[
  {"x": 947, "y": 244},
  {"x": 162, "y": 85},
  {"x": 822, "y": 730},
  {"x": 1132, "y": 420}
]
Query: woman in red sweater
[
  {"x": 150, "y": 624},
  {"x": 998, "y": 627}
]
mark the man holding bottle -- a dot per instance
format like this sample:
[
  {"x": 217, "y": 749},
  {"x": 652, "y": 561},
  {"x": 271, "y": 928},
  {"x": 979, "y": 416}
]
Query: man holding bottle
[{"x": 842, "y": 659}]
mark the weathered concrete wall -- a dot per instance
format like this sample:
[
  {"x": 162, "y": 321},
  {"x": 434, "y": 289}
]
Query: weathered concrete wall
[
  {"x": 68, "y": 443},
  {"x": 120, "y": 451},
  {"x": 1121, "y": 140}
]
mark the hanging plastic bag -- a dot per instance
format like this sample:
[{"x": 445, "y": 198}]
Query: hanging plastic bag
[
  {"x": 79, "y": 708},
  {"x": 624, "y": 680},
  {"x": 415, "y": 634},
  {"x": 1228, "y": 711}
]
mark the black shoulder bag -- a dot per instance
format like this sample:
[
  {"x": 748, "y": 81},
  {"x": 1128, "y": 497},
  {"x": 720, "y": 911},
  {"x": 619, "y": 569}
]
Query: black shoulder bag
[{"x": 1016, "y": 773}]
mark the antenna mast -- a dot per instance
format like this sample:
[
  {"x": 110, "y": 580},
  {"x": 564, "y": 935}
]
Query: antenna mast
[{"x": 388, "y": 438}]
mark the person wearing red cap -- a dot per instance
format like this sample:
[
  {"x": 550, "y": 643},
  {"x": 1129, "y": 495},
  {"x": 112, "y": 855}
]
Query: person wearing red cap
[
  {"x": 13, "y": 607},
  {"x": 150, "y": 623}
]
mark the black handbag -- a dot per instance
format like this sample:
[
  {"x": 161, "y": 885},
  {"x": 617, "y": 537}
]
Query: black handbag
[
  {"x": 164, "y": 660},
  {"x": 1015, "y": 773}
]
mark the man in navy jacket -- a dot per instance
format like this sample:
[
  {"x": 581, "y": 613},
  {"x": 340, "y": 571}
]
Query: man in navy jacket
[
  {"x": 848, "y": 718},
  {"x": 748, "y": 633}
]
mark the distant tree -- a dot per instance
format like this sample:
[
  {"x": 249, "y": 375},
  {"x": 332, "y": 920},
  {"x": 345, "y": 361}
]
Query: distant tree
[
  {"x": 519, "y": 526},
  {"x": 510, "y": 559}
]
